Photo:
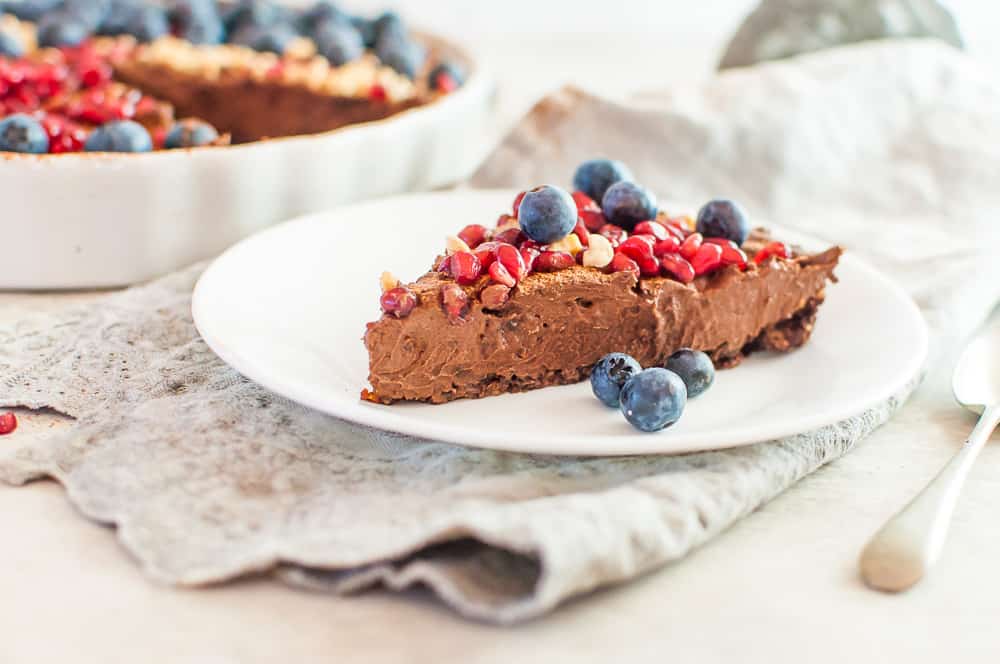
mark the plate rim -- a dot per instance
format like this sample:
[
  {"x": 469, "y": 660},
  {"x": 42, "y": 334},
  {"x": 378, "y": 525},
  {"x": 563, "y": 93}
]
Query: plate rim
[{"x": 379, "y": 417}]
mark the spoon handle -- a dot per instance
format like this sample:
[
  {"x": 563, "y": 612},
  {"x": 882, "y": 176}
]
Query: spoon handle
[{"x": 906, "y": 547}]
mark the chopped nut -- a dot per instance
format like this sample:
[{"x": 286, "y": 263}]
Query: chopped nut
[
  {"x": 570, "y": 244},
  {"x": 454, "y": 244},
  {"x": 599, "y": 253},
  {"x": 388, "y": 281}
]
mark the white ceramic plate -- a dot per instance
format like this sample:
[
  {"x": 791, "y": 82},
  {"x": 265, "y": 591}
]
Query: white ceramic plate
[
  {"x": 97, "y": 221},
  {"x": 287, "y": 308}
]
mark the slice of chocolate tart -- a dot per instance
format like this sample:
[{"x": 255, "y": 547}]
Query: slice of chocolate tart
[{"x": 502, "y": 313}]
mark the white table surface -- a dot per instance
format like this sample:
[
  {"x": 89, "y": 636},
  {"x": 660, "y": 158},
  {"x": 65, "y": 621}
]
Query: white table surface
[{"x": 781, "y": 586}]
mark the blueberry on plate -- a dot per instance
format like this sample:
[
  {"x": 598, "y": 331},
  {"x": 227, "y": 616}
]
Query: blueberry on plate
[
  {"x": 258, "y": 13},
  {"x": 339, "y": 43},
  {"x": 30, "y": 10},
  {"x": 547, "y": 214},
  {"x": 389, "y": 23},
  {"x": 625, "y": 204},
  {"x": 272, "y": 39},
  {"x": 593, "y": 177},
  {"x": 190, "y": 134},
  {"x": 10, "y": 46},
  {"x": 367, "y": 29},
  {"x": 116, "y": 20},
  {"x": 609, "y": 375},
  {"x": 400, "y": 53},
  {"x": 61, "y": 29},
  {"x": 198, "y": 21},
  {"x": 724, "y": 218},
  {"x": 695, "y": 368},
  {"x": 23, "y": 133},
  {"x": 119, "y": 136},
  {"x": 445, "y": 77},
  {"x": 653, "y": 399},
  {"x": 91, "y": 12},
  {"x": 321, "y": 15},
  {"x": 147, "y": 23}
]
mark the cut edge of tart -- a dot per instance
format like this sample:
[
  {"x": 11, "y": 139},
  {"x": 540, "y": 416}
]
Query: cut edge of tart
[{"x": 470, "y": 329}]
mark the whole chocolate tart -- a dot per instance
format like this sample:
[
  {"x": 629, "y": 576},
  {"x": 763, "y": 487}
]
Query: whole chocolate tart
[{"x": 456, "y": 334}]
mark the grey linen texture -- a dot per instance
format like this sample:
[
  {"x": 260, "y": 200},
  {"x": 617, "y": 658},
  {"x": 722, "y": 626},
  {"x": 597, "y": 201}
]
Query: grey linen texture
[{"x": 209, "y": 477}]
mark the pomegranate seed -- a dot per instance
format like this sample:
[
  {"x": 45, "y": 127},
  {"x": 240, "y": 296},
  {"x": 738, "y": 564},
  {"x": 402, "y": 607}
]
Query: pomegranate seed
[
  {"x": 552, "y": 261},
  {"x": 510, "y": 236},
  {"x": 444, "y": 265},
  {"x": 682, "y": 223},
  {"x": 707, "y": 259},
  {"x": 778, "y": 249},
  {"x": 474, "y": 235},
  {"x": 529, "y": 244},
  {"x": 585, "y": 202},
  {"x": 454, "y": 301},
  {"x": 494, "y": 296},
  {"x": 677, "y": 267},
  {"x": 670, "y": 245},
  {"x": 94, "y": 74},
  {"x": 690, "y": 246},
  {"x": 645, "y": 237},
  {"x": 529, "y": 255},
  {"x": 486, "y": 253},
  {"x": 581, "y": 232},
  {"x": 465, "y": 267},
  {"x": 615, "y": 234},
  {"x": 501, "y": 275},
  {"x": 446, "y": 83},
  {"x": 512, "y": 261},
  {"x": 377, "y": 93},
  {"x": 505, "y": 219},
  {"x": 517, "y": 202},
  {"x": 636, "y": 249},
  {"x": 593, "y": 220},
  {"x": 399, "y": 301},
  {"x": 8, "y": 422},
  {"x": 622, "y": 263},
  {"x": 731, "y": 253},
  {"x": 654, "y": 228}
]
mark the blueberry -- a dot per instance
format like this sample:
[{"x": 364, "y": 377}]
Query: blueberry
[
  {"x": 387, "y": 24},
  {"x": 91, "y": 12},
  {"x": 23, "y": 133},
  {"x": 119, "y": 136},
  {"x": 593, "y": 177},
  {"x": 198, "y": 21},
  {"x": 609, "y": 375},
  {"x": 653, "y": 399},
  {"x": 273, "y": 39},
  {"x": 445, "y": 69},
  {"x": 366, "y": 28},
  {"x": 724, "y": 218},
  {"x": 695, "y": 368},
  {"x": 116, "y": 20},
  {"x": 257, "y": 13},
  {"x": 626, "y": 204},
  {"x": 547, "y": 214},
  {"x": 190, "y": 134},
  {"x": 10, "y": 46},
  {"x": 321, "y": 15},
  {"x": 61, "y": 29},
  {"x": 147, "y": 23},
  {"x": 339, "y": 43},
  {"x": 400, "y": 53},
  {"x": 30, "y": 10}
]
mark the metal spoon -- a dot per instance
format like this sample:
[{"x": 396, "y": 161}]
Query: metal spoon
[{"x": 906, "y": 547}]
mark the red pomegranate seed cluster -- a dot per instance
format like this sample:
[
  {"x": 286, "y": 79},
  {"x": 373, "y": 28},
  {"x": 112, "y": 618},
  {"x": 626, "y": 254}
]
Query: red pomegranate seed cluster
[
  {"x": 8, "y": 422},
  {"x": 499, "y": 259}
]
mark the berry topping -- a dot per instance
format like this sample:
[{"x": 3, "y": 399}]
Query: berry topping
[
  {"x": 256, "y": 13},
  {"x": 517, "y": 202},
  {"x": 595, "y": 176},
  {"x": 120, "y": 136},
  {"x": 190, "y": 134},
  {"x": 668, "y": 246},
  {"x": 397, "y": 51},
  {"x": 731, "y": 254},
  {"x": 197, "y": 21},
  {"x": 691, "y": 244},
  {"x": 547, "y": 214},
  {"x": 339, "y": 43},
  {"x": 512, "y": 235},
  {"x": 454, "y": 301},
  {"x": 653, "y": 399},
  {"x": 445, "y": 78},
  {"x": 10, "y": 46},
  {"x": 677, "y": 267},
  {"x": 707, "y": 259},
  {"x": 147, "y": 23},
  {"x": 615, "y": 234},
  {"x": 553, "y": 261},
  {"x": 622, "y": 263},
  {"x": 695, "y": 368},
  {"x": 530, "y": 256},
  {"x": 8, "y": 422},
  {"x": 581, "y": 233},
  {"x": 30, "y": 10},
  {"x": 626, "y": 204},
  {"x": 589, "y": 211},
  {"x": 654, "y": 228},
  {"x": 609, "y": 375},
  {"x": 473, "y": 235},
  {"x": 465, "y": 267},
  {"x": 772, "y": 249},
  {"x": 64, "y": 135},
  {"x": 271, "y": 39},
  {"x": 23, "y": 133},
  {"x": 512, "y": 261},
  {"x": 495, "y": 296},
  {"x": 723, "y": 218},
  {"x": 58, "y": 29},
  {"x": 398, "y": 302},
  {"x": 501, "y": 275},
  {"x": 635, "y": 248}
]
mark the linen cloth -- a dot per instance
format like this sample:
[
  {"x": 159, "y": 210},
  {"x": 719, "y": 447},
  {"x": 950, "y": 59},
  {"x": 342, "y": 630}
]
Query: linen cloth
[{"x": 886, "y": 149}]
